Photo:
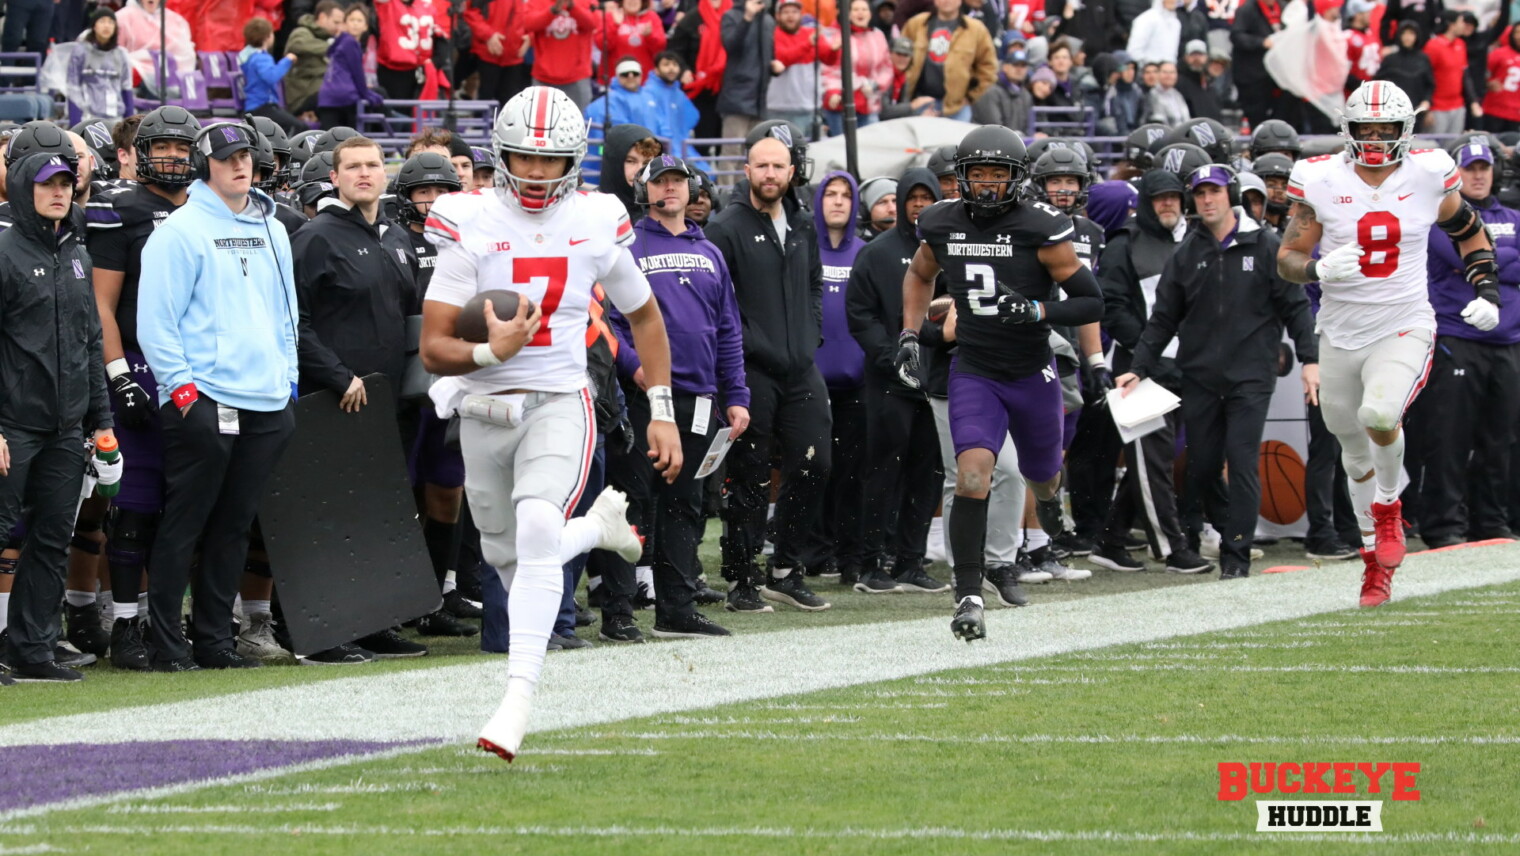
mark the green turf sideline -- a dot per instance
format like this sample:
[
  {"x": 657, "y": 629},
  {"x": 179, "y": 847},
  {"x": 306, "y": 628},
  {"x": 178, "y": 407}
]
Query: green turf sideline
[{"x": 607, "y": 685}]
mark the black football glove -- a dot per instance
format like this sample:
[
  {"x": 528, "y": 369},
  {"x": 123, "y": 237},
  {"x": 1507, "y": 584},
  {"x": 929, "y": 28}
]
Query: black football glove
[
  {"x": 1099, "y": 381},
  {"x": 908, "y": 360},
  {"x": 621, "y": 439},
  {"x": 134, "y": 406},
  {"x": 1017, "y": 309}
]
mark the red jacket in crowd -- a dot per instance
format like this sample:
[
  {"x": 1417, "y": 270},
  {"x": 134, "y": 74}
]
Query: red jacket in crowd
[
  {"x": 640, "y": 36},
  {"x": 1503, "y": 98},
  {"x": 1448, "y": 59},
  {"x": 563, "y": 32},
  {"x": 797, "y": 48},
  {"x": 407, "y": 30},
  {"x": 505, "y": 20}
]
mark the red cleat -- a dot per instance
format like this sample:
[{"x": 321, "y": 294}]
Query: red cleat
[
  {"x": 1388, "y": 527},
  {"x": 499, "y": 752},
  {"x": 1377, "y": 581}
]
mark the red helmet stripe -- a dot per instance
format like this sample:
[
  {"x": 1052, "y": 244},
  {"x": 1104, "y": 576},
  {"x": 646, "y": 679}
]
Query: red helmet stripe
[{"x": 541, "y": 110}]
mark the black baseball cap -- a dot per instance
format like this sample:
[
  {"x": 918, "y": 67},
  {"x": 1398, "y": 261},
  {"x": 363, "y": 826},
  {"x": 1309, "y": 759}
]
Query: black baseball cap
[{"x": 225, "y": 140}]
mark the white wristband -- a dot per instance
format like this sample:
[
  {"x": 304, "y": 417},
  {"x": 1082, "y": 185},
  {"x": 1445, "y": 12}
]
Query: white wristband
[
  {"x": 1097, "y": 361},
  {"x": 484, "y": 356},
  {"x": 117, "y": 367},
  {"x": 662, "y": 405}
]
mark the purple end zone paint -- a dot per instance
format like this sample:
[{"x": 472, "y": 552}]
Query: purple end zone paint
[{"x": 38, "y": 775}]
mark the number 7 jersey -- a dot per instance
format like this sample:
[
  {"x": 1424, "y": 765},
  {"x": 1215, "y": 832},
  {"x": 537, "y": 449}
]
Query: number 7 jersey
[
  {"x": 1391, "y": 223},
  {"x": 553, "y": 259}
]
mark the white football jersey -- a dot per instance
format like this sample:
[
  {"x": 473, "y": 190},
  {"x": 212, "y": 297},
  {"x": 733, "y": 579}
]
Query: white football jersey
[
  {"x": 1391, "y": 224},
  {"x": 554, "y": 259}
]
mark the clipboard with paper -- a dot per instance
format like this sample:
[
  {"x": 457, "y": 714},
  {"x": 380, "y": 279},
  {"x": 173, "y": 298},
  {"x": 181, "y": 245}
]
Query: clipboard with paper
[{"x": 1143, "y": 411}]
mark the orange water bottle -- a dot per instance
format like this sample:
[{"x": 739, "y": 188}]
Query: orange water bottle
[{"x": 107, "y": 452}]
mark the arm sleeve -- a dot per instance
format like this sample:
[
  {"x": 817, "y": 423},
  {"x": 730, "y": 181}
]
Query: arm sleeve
[
  {"x": 163, "y": 292},
  {"x": 99, "y": 413},
  {"x": 1162, "y": 326},
  {"x": 288, "y": 283},
  {"x": 624, "y": 282},
  {"x": 731, "y": 379},
  {"x": 318, "y": 362},
  {"x": 1083, "y": 303},
  {"x": 863, "y": 312}
]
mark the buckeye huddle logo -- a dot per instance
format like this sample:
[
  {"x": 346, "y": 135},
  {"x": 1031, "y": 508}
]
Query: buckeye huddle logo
[{"x": 1238, "y": 780}]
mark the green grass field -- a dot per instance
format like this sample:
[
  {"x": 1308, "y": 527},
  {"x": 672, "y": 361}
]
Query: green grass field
[{"x": 1091, "y": 751}]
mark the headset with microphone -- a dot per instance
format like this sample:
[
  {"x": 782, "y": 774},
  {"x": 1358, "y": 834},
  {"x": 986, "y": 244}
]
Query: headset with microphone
[{"x": 660, "y": 165}]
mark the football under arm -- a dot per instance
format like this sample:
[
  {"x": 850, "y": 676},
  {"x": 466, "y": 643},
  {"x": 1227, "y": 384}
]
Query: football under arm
[
  {"x": 1084, "y": 299},
  {"x": 918, "y": 287},
  {"x": 1295, "y": 260}
]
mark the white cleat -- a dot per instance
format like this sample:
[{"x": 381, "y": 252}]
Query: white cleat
[
  {"x": 610, "y": 511},
  {"x": 504, "y": 733}
]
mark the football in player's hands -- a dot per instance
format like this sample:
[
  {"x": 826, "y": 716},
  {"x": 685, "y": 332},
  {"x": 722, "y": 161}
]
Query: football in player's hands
[
  {"x": 939, "y": 307},
  {"x": 471, "y": 325},
  {"x": 1340, "y": 264},
  {"x": 1482, "y": 314}
]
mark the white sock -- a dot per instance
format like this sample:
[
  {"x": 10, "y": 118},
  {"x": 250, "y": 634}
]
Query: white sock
[
  {"x": 106, "y": 602},
  {"x": 450, "y": 581},
  {"x": 1388, "y": 462},
  {"x": 256, "y": 607},
  {"x": 1034, "y": 538},
  {"x": 126, "y": 610},
  {"x": 974, "y": 598},
  {"x": 644, "y": 574},
  {"x": 142, "y": 603},
  {"x": 579, "y": 536},
  {"x": 79, "y": 598},
  {"x": 1362, "y": 495},
  {"x": 5, "y": 610}
]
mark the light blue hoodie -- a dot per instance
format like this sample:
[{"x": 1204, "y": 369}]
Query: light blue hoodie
[{"x": 217, "y": 309}]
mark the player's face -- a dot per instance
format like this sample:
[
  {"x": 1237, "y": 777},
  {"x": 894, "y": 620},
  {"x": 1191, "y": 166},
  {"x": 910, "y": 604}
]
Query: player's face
[
  {"x": 422, "y": 198},
  {"x": 179, "y": 150},
  {"x": 360, "y": 178},
  {"x": 1062, "y": 190},
  {"x": 949, "y": 188},
  {"x": 1384, "y": 133},
  {"x": 769, "y": 170},
  {"x": 1168, "y": 208},
  {"x": 989, "y": 182},
  {"x": 632, "y": 164},
  {"x": 673, "y": 189},
  {"x": 885, "y": 210},
  {"x": 837, "y": 202},
  {"x": 919, "y": 198},
  {"x": 53, "y": 197},
  {"x": 1277, "y": 190},
  {"x": 700, "y": 208},
  {"x": 1255, "y": 204},
  {"x": 1212, "y": 203},
  {"x": 482, "y": 178},
  {"x": 1478, "y": 180},
  {"x": 536, "y": 168},
  {"x": 233, "y": 176}
]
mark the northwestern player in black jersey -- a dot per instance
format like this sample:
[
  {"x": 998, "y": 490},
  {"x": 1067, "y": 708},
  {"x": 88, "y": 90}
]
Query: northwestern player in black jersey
[
  {"x": 120, "y": 222},
  {"x": 1007, "y": 263},
  {"x": 267, "y": 176}
]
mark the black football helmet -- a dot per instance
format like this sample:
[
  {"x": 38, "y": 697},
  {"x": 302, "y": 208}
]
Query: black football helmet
[
  {"x": 991, "y": 145},
  {"x": 423, "y": 169},
  {"x": 168, "y": 122},
  {"x": 1061, "y": 161}
]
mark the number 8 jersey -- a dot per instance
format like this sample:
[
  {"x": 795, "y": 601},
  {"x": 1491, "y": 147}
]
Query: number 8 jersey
[
  {"x": 553, "y": 259},
  {"x": 1391, "y": 224}
]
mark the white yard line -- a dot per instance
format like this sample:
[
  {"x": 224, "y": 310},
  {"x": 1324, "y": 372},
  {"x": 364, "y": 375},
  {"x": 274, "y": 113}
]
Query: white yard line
[
  {"x": 614, "y": 684},
  {"x": 1083, "y": 739}
]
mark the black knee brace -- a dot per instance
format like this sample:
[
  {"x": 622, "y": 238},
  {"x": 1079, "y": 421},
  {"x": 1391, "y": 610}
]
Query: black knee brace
[{"x": 131, "y": 535}]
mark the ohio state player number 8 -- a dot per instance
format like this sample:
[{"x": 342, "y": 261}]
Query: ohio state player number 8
[
  {"x": 553, "y": 272},
  {"x": 1372, "y": 243}
]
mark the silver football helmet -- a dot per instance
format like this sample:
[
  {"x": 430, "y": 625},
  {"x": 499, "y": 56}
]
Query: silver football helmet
[
  {"x": 538, "y": 121},
  {"x": 1378, "y": 102}
]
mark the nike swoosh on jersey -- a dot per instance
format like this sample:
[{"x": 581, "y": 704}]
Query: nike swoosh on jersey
[
  {"x": 574, "y": 241},
  {"x": 1405, "y": 196}
]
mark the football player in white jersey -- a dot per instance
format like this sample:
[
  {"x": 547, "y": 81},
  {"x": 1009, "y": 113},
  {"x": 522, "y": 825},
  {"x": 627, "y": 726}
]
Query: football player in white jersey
[
  {"x": 527, "y": 428},
  {"x": 1370, "y": 210}
]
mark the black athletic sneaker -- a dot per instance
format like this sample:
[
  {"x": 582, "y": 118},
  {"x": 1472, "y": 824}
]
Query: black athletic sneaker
[
  {"x": 568, "y": 643},
  {"x": 182, "y": 664},
  {"x": 915, "y": 579},
  {"x": 876, "y": 581},
  {"x": 6, "y": 680},
  {"x": 743, "y": 597},
  {"x": 690, "y": 625},
  {"x": 1116, "y": 559},
  {"x": 849, "y": 575},
  {"x": 49, "y": 672},
  {"x": 343, "y": 655},
  {"x": 226, "y": 658},
  {"x": 968, "y": 623},
  {"x": 459, "y": 606},
  {"x": 1330, "y": 551},
  {"x": 388, "y": 645},
  {"x": 1003, "y": 581},
  {"x": 706, "y": 595},
  {"x": 621, "y": 630},
  {"x": 1234, "y": 573},
  {"x": 1073, "y": 544},
  {"x": 441, "y": 623},
  {"x": 583, "y": 616},
  {"x": 1185, "y": 561},
  {"x": 791, "y": 590},
  {"x": 127, "y": 648},
  {"x": 85, "y": 632}
]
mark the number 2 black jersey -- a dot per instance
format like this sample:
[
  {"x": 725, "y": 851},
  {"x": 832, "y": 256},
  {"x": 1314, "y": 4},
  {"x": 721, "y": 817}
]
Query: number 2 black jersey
[{"x": 983, "y": 259}]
